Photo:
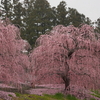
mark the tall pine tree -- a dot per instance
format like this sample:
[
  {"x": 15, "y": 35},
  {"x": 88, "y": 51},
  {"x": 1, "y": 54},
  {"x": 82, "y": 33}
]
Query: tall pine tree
[
  {"x": 54, "y": 16},
  {"x": 17, "y": 12},
  {"x": 97, "y": 29},
  {"x": 28, "y": 21},
  {"x": 75, "y": 18},
  {"x": 6, "y": 8},
  {"x": 38, "y": 20},
  {"x": 62, "y": 13}
]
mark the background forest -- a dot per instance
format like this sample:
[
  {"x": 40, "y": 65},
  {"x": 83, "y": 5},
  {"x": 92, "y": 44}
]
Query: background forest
[{"x": 36, "y": 17}]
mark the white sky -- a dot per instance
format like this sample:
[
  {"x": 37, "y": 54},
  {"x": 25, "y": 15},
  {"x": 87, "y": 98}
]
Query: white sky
[{"x": 90, "y": 8}]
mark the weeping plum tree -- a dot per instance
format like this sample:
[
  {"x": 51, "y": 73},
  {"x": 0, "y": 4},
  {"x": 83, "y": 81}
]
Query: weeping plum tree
[
  {"x": 67, "y": 54},
  {"x": 14, "y": 61}
]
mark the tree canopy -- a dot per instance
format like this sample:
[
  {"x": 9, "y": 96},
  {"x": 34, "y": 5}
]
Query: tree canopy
[{"x": 36, "y": 17}]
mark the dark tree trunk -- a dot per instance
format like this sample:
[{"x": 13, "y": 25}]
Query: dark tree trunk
[{"x": 65, "y": 78}]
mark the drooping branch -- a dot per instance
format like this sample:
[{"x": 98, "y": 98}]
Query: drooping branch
[{"x": 67, "y": 51}]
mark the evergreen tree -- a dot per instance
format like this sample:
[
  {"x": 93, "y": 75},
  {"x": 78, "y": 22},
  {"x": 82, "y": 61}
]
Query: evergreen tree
[
  {"x": 6, "y": 8},
  {"x": 97, "y": 29},
  {"x": 74, "y": 17},
  {"x": 17, "y": 12},
  {"x": 38, "y": 20},
  {"x": 88, "y": 21},
  {"x": 29, "y": 21},
  {"x": 18, "y": 16},
  {"x": 29, "y": 6},
  {"x": 42, "y": 13},
  {"x": 54, "y": 16},
  {"x": 62, "y": 13}
]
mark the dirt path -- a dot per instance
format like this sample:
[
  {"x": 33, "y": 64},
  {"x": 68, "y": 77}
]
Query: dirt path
[{"x": 47, "y": 89}]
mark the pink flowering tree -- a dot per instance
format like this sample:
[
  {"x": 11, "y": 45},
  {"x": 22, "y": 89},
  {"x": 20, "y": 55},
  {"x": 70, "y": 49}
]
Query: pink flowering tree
[
  {"x": 67, "y": 54},
  {"x": 14, "y": 60}
]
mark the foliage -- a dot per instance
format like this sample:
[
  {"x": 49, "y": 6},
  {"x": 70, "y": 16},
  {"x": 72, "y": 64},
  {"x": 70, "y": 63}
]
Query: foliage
[
  {"x": 6, "y": 8},
  {"x": 62, "y": 13},
  {"x": 38, "y": 20},
  {"x": 97, "y": 29},
  {"x": 18, "y": 12},
  {"x": 75, "y": 18}
]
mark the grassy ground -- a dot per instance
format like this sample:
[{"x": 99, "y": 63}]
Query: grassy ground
[{"x": 57, "y": 96}]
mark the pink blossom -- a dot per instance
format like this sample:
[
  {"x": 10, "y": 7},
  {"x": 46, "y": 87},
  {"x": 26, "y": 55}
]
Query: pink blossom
[
  {"x": 14, "y": 61},
  {"x": 70, "y": 50}
]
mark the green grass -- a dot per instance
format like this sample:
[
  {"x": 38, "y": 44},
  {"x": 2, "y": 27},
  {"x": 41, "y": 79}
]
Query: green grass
[
  {"x": 57, "y": 96},
  {"x": 96, "y": 93},
  {"x": 69, "y": 97},
  {"x": 31, "y": 97}
]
